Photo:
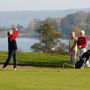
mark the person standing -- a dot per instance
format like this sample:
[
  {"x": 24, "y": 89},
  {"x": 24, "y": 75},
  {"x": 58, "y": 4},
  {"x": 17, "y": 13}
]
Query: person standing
[
  {"x": 82, "y": 43},
  {"x": 12, "y": 47},
  {"x": 73, "y": 48}
]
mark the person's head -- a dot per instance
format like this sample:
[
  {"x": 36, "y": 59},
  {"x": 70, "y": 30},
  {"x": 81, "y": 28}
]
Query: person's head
[
  {"x": 9, "y": 33},
  {"x": 13, "y": 27},
  {"x": 82, "y": 33},
  {"x": 72, "y": 34}
]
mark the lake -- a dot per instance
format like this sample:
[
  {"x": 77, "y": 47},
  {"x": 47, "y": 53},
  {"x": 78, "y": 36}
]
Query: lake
[{"x": 24, "y": 44}]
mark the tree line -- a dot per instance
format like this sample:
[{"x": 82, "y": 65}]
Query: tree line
[{"x": 64, "y": 25}]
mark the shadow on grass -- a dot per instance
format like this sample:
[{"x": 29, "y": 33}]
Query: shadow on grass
[{"x": 43, "y": 64}]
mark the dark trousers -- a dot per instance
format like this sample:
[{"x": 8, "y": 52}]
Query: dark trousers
[{"x": 10, "y": 54}]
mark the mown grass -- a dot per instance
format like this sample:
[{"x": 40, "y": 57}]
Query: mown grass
[
  {"x": 45, "y": 79},
  {"x": 37, "y": 59}
]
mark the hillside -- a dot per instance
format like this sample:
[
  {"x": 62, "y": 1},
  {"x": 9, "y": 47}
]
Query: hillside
[{"x": 24, "y": 17}]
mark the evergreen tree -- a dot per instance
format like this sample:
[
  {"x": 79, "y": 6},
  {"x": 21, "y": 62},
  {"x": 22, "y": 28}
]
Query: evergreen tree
[{"x": 48, "y": 38}]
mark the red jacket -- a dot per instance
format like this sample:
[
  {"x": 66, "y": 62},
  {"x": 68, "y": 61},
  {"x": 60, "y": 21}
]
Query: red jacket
[
  {"x": 14, "y": 35},
  {"x": 82, "y": 41}
]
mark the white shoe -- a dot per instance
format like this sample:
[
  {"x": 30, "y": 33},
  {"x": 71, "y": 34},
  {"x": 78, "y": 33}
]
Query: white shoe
[
  {"x": 73, "y": 66},
  {"x": 88, "y": 66},
  {"x": 15, "y": 69},
  {"x": 82, "y": 67}
]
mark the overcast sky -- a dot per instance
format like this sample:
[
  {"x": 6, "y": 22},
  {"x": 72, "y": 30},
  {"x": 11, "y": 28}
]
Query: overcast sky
[{"x": 18, "y": 5}]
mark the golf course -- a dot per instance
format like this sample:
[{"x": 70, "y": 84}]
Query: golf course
[{"x": 44, "y": 72}]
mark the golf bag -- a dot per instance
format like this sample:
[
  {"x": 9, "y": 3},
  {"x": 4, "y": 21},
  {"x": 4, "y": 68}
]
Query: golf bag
[{"x": 83, "y": 60}]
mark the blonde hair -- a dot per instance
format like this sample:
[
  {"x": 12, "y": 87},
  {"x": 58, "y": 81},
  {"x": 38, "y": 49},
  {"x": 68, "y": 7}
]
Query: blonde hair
[{"x": 82, "y": 31}]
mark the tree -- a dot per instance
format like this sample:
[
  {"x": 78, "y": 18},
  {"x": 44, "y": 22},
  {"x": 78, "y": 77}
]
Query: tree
[
  {"x": 70, "y": 21},
  {"x": 62, "y": 49},
  {"x": 48, "y": 38},
  {"x": 77, "y": 31}
]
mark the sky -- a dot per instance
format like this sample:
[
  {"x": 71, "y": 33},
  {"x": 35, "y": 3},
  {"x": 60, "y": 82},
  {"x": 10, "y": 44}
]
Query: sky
[{"x": 23, "y": 5}]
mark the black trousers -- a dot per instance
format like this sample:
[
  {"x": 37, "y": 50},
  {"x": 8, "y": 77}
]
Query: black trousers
[{"x": 10, "y": 54}]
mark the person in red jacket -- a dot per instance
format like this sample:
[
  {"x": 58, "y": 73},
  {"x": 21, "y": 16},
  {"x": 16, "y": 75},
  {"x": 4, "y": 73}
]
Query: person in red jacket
[
  {"x": 12, "y": 47},
  {"x": 82, "y": 43}
]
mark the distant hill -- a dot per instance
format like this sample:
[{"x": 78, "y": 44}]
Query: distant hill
[{"x": 24, "y": 17}]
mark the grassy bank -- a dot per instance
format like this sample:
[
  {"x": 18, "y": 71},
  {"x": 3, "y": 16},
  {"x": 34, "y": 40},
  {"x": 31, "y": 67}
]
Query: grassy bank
[{"x": 37, "y": 59}]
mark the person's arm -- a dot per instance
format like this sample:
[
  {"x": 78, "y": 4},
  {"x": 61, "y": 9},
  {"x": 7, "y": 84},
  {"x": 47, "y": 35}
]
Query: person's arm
[
  {"x": 14, "y": 35},
  {"x": 85, "y": 43},
  {"x": 78, "y": 43},
  {"x": 75, "y": 43}
]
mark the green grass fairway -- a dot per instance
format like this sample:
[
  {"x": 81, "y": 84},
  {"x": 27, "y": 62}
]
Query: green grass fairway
[{"x": 45, "y": 79}]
